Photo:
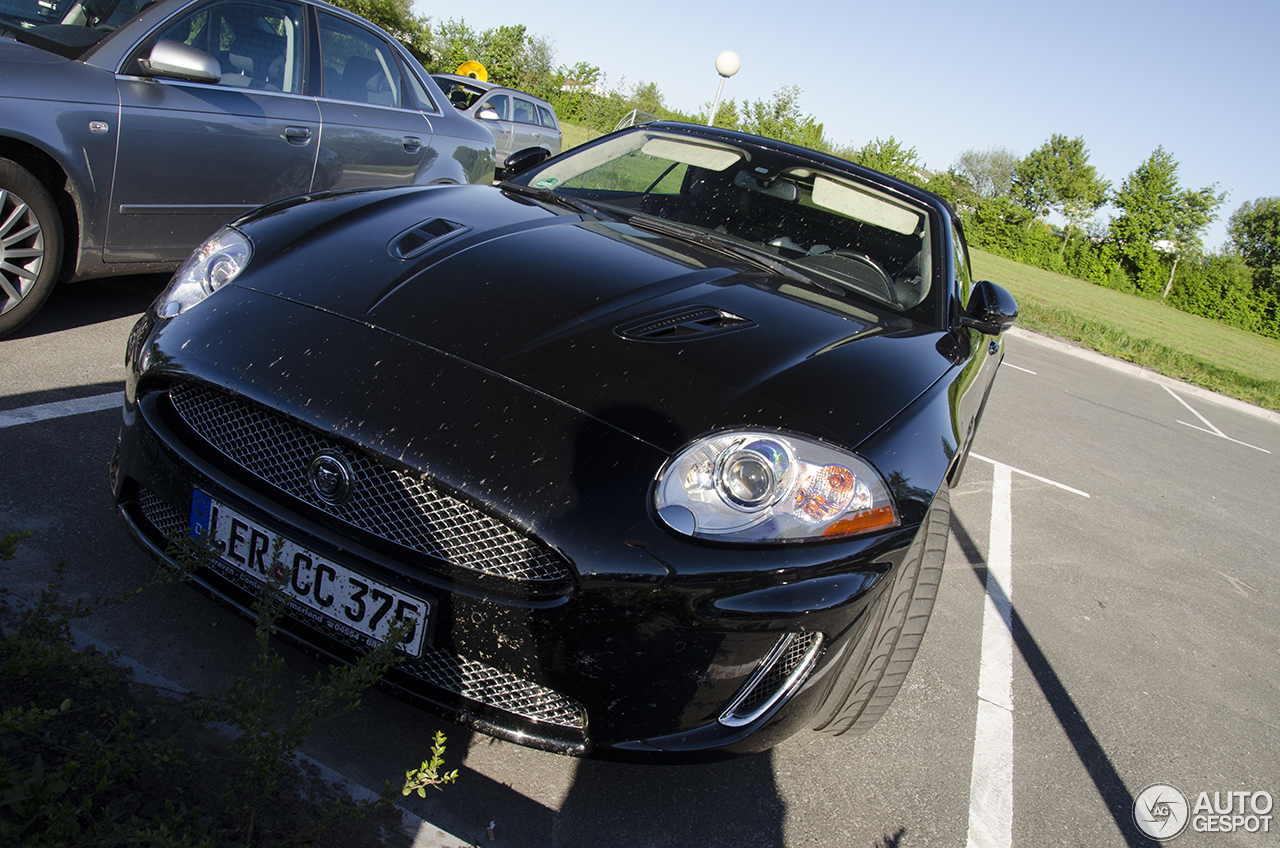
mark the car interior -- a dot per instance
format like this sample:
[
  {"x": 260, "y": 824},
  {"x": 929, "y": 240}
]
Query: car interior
[{"x": 822, "y": 224}]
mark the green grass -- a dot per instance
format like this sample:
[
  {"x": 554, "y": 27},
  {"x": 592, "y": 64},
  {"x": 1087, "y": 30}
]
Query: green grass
[
  {"x": 1146, "y": 332},
  {"x": 575, "y": 135}
]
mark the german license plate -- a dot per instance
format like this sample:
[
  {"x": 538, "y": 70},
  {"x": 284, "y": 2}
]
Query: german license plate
[{"x": 316, "y": 588}]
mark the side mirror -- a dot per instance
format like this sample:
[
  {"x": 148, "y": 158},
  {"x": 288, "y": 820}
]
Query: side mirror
[
  {"x": 181, "y": 61},
  {"x": 488, "y": 115},
  {"x": 524, "y": 160},
  {"x": 991, "y": 309}
]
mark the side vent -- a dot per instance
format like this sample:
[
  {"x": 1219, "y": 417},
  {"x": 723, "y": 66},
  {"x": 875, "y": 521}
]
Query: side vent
[
  {"x": 415, "y": 240},
  {"x": 778, "y": 676},
  {"x": 689, "y": 323}
]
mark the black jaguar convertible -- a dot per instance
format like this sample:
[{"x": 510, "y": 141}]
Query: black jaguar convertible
[{"x": 648, "y": 447}]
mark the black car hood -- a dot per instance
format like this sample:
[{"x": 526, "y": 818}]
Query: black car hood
[{"x": 660, "y": 338}]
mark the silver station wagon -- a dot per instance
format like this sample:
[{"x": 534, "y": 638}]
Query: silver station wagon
[{"x": 523, "y": 126}]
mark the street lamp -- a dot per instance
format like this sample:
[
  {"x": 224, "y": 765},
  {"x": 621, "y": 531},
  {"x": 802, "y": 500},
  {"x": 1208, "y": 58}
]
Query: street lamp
[{"x": 726, "y": 66}]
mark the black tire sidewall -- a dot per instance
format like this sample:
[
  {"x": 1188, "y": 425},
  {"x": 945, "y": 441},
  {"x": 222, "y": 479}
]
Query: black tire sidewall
[{"x": 876, "y": 668}]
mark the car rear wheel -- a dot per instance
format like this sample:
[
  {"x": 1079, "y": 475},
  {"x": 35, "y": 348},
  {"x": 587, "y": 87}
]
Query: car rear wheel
[
  {"x": 30, "y": 245},
  {"x": 877, "y": 667}
]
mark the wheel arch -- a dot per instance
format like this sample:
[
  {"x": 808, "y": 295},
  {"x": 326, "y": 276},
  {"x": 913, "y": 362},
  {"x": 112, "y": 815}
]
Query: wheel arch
[{"x": 66, "y": 197}]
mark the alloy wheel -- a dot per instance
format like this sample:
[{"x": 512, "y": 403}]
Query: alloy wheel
[{"x": 22, "y": 249}]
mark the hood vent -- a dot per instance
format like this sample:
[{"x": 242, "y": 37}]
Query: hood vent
[
  {"x": 414, "y": 241},
  {"x": 689, "y": 323}
]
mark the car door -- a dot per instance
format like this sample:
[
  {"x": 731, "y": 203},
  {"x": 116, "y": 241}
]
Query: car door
[
  {"x": 501, "y": 128},
  {"x": 984, "y": 352},
  {"x": 372, "y": 132},
  {"x": 193, "y": 155},
  {"x": 525, "y": 124},
  {"x": 551, "y": 135}
]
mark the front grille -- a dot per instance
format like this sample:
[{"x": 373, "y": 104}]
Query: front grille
[
  {"x": 386, "y": 502},
  {"x": 776, "y": 677}
]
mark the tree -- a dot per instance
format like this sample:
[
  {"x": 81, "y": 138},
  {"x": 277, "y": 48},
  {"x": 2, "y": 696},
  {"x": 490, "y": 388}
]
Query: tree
[
  {"x": 397, "y": 18},
  {"x": 1159, "y": 216},
  {"x": 726, "y": 114},
  {"x": 509, "y": 54},
  {"x": 1192, "y": 212},
  {"x": 781, "y": 118},
  {"x": 889, "y": 157},
  {"x": 1057, "y": 177},
  {"x": 1255, "y": 232},
  {"x": 990, "y": 171},
  {"x": 647, "y": 98}
]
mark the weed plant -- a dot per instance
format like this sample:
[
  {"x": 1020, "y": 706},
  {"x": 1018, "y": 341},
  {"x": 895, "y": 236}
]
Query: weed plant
[{"x": 88, "y": 759}]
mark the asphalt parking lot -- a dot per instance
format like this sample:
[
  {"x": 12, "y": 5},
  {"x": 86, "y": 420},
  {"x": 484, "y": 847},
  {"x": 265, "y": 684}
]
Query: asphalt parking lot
[{"x": 1107, "y": 622}]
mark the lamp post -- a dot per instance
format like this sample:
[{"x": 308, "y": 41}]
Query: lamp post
[{"x": 726, "y": 66}]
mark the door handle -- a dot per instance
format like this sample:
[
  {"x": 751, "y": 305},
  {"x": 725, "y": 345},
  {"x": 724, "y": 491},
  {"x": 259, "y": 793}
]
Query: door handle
[
  {"x": 297, "y": 135},
  {"x": 412, "y": 144}
]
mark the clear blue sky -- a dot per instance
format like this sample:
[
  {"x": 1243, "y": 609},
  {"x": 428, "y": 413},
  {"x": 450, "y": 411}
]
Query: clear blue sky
[{"x": 1200, "y": 78}]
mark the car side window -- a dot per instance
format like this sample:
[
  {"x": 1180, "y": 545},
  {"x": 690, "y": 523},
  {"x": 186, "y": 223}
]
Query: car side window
[
  {"x": 524, "y": 112},
  {"x": 548, "y": 119},
  {"x": 358, "y": 66},
  {"x": 501, "y": 104},
  {"x": 258, "y": 44},
  {"x": 426, "y": 102}
]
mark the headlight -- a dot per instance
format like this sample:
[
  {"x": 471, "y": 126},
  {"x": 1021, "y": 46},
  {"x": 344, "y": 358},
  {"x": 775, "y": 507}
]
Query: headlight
[
  {"x": 758, "y": 486},
  {"x": 213, "y": 264}
]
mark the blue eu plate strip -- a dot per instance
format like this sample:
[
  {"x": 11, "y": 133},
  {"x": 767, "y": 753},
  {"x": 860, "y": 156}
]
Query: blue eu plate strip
[{"x": 201, "y": 507}]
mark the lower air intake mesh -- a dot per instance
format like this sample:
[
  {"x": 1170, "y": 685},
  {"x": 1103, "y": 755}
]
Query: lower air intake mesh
[{"x": 776, "y": 677}]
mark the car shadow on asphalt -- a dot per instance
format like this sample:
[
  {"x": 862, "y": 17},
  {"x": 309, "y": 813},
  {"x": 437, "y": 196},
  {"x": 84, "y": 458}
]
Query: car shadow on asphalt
[
  {"x": 724, "y": 804},
  {"x": 73, "y": 305},
  {"x": 729, "y": 803},
  {"x": 1109, "y": 784}
]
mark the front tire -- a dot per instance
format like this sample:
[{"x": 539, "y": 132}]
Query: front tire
[
  {"x": 30, "y": 245},
  {"x": 877, "y": 667}
]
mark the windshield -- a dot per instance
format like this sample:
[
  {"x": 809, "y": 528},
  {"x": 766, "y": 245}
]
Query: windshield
[
  {"x": 460, "y": 93},
  {"x": 32, "y": 12},
  {"x": 66, "y": 27},
  {"x": 826, "y": 224}
]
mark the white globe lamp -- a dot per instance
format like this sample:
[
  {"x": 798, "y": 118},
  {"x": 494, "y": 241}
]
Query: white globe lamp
[{"x": 727, "y": 65}]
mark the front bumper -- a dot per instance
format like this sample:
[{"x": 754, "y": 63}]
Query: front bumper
[{"x": 647, "y": 647}]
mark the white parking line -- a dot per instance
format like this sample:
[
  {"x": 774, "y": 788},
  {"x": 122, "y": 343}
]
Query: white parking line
[
  {"x": 1032, "y": 476},
  {"x": 1214, "y": 431},
  {"x": 991, "y": 781},
  {"x": 60, "y": 409}
]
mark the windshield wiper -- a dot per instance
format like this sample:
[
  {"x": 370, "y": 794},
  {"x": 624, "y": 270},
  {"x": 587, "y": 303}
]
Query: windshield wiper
[
  {"x": 550, "y": 196},
  {"x": 759, "y": 258}
]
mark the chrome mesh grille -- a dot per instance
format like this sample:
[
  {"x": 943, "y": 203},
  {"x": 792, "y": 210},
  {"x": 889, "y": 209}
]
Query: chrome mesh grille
[
  {"x": 478, "y": 682},
  {"x": 386, "y": 502},
  {"x": 790, "y": 659},
  {"x": 163, "y": 517}
]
